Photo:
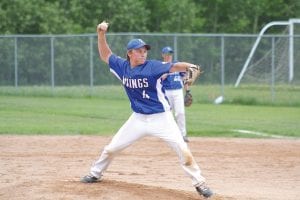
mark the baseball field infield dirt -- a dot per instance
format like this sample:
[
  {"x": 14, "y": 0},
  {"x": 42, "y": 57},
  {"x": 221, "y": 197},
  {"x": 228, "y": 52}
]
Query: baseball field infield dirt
[{"x": 50, "y": 167}]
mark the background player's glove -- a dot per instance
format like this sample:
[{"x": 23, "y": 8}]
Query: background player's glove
[
  {"x": 188, "y": 98},
  {"x": 192, "y": 73}
]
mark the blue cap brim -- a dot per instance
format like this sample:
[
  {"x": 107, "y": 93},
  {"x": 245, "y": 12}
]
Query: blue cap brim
[{"x": 148, "y": 47}]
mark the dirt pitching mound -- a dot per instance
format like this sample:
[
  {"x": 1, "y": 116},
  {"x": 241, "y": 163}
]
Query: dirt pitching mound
[{"x": 50, "y": 167}]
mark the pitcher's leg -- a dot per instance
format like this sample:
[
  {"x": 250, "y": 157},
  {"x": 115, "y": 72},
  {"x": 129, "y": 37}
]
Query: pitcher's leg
[
  {"x": 190, "y": 166},
  {"x": 165, "y": 127},
  {"x": 192, "y": 169},
  {"x": 131, "y": 131},
  {"x": 187, "y": 161}
]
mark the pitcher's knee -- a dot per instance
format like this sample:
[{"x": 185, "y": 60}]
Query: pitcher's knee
[
  {"x": 188, "y": 158},
  {"x": 110, "y": 151}
]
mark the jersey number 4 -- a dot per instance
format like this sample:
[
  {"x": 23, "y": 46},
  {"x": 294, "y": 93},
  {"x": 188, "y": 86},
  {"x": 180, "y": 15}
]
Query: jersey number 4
[{"x": 145, "y": 95}]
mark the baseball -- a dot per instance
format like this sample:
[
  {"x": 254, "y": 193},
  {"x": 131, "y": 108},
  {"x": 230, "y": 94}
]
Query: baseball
[
  {"x": 219, "y": 100},
  {"x": 102, "y": 26}
]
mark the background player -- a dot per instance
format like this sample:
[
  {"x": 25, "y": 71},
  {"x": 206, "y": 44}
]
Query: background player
[
  {"x": 173, "y": 86},
  {"x": 151, "y": 115}
]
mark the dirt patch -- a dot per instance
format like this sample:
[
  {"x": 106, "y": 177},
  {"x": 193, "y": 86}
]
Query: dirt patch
[{"x": 50, "y": 167}]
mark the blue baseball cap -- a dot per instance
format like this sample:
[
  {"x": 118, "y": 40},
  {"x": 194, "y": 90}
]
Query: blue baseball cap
[
  {"x": 167, "y": 50},
  {"x": 136, "y": 44}
]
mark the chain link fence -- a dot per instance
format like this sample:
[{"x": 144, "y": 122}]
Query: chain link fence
[{"x": 73, "y": 60}]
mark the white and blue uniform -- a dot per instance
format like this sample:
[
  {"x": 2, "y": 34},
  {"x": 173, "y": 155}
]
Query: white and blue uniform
[
  {"x": 173, "y": 81},
  {"x": 151, "y": 115},
  {"x": 142, "y": 84},
  {"x": 173, "y": 86}
]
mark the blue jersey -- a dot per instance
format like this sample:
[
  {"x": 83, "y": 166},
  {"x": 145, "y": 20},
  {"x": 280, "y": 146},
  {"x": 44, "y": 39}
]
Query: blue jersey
[
  {"x": 142, "y": 84},
  {"x": 173, "y": 81}
]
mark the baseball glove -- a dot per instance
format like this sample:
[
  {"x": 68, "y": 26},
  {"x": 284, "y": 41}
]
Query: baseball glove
[
  {"x": 191, "y": 75},
  {"x": 188, "y": 98}
]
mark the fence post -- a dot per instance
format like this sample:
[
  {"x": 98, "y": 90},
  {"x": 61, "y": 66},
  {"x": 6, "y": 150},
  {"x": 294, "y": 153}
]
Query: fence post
[
  {"x": 272, "y": 70},
  {"x": 91, "y": 65},
  {"x": 175, "y": 48},
  {"x": 52, "y": 63},
  {"x": 16, "y": 62},
  {"x": 222, "y": 65}
]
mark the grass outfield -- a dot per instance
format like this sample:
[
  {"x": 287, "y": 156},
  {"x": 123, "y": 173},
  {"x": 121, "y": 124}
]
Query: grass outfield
[{"x": 45, "y": 114}]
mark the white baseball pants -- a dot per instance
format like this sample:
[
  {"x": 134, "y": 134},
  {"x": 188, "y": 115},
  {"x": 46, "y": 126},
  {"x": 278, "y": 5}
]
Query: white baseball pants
[
  {"x": 176, "y": 100},
  {"x": 160, "y": 125}
]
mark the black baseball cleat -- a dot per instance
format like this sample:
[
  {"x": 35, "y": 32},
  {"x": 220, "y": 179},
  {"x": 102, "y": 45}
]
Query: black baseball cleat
[
  {"x": 186, "y": 139},
  {"x": 89, "y": 179},
  {"x": 204, "y": 190}
]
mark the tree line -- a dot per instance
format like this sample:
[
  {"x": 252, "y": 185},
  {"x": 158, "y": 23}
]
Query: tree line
[{"x": 162, "y": 16}]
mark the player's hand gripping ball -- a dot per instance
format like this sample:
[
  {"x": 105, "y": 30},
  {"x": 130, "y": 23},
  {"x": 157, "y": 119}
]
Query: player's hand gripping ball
[
  {"x": 103, "y": 26},
  {"x": 188, "y": 98},
  {"x": 191, "y": 75}
]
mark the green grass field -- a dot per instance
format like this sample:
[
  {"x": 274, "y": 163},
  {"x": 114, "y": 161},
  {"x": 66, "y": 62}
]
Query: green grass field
[{"x": 75, "y": 111}]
